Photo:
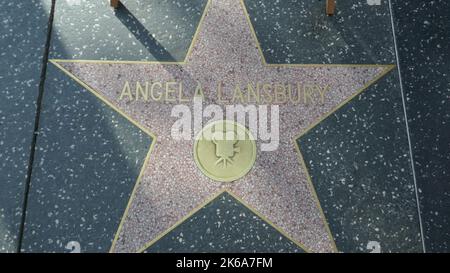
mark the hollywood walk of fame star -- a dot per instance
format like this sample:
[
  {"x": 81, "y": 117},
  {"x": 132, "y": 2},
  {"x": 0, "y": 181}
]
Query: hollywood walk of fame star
[{"x": 171, "y": 187}]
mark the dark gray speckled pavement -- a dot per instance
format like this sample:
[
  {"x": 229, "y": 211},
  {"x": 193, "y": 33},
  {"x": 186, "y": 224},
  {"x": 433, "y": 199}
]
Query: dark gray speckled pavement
[
  {"x": 224, "y": 225},
  {"x": 423, "y": 41},
  {"x": 23, "y": 32}
]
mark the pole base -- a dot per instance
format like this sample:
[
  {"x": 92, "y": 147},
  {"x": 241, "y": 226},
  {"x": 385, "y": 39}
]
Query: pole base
[
  {"x": 114, "y": 3},
  {"x": 331, "y": 6}
]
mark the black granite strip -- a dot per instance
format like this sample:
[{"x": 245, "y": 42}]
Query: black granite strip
[{"x": 422, "y": 31}]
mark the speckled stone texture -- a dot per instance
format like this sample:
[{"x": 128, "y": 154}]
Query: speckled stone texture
[
  {"x": 23, "y": 30},
  {"x": 138, "y": 30},
  {"x": 87, "y": 162},
  {"x": 359, "y": 163},
  {"x": 300, "y": 31},
  {"x": 224, "y": 225},
  {"x": 172, "y": 186},
  {"x": 423, "y": 40}
]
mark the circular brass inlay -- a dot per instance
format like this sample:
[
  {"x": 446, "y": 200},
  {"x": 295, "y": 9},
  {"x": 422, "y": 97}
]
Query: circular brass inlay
[{"x": 225, "y": 150}]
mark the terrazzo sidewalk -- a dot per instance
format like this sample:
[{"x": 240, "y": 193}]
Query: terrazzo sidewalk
[{"x": 378, "y": 164}]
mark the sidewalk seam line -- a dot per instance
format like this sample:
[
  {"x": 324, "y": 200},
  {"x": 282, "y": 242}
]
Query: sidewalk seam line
[
  {"x": 407, "y": 126},
  {"x": 42, "y": 79}
]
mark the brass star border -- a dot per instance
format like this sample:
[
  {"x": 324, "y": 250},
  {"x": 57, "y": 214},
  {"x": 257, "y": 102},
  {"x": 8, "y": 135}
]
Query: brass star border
[{"x": 387, "y": 69}]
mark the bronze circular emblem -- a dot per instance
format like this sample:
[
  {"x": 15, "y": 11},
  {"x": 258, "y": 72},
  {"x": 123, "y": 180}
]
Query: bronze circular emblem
[{"x": 225, "y": 150}]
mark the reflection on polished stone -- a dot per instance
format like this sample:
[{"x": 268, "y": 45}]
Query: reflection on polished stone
[
  {"x": 138, "y": 30},
  {"x": 301, "y": 32},
  {"x": 22, "y": 40},
  {"x": 88, "y": 160}
]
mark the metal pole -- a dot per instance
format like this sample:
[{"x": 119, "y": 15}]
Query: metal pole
[
  {"x": 331, "y": 6},
  {"x": 114, "y": 3}
]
